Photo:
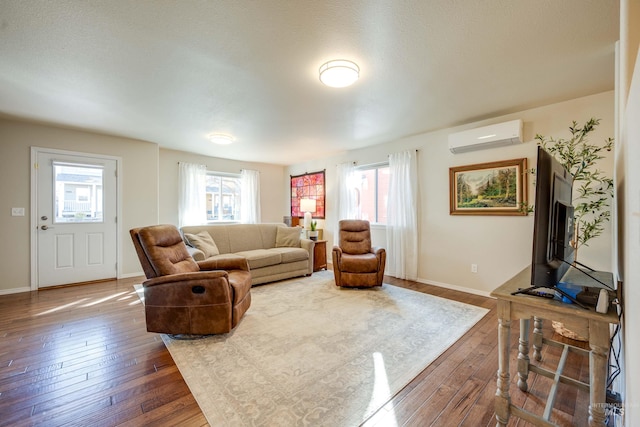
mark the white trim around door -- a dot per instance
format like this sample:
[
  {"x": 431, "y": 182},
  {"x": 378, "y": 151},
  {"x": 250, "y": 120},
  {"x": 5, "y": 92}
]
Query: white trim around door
[{"x": 35, "y": 210}]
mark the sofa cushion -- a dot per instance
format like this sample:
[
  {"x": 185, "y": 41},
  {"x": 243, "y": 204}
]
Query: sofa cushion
[
  {"x": 261, "y": 257},
  {"x": 292, "y": 254},
  {"x": 288, "y": 237},
  {"x": 204, "y": 242}
]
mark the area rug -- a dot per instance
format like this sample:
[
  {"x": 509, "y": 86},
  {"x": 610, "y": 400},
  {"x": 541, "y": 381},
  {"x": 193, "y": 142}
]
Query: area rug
[{"x": 310, "y": 353}]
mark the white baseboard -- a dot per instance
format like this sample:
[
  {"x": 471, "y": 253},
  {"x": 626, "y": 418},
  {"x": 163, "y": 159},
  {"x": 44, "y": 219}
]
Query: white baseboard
[
  {"x": 130, "y": 275},
  {"x": 455, "y": 288},
  {"x": 15, "y": 290}
]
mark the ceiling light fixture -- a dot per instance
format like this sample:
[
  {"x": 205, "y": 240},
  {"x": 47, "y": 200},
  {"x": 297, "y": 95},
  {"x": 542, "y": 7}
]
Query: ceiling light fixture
[
  {"x": 221, "y": 138},
  {"x": 339, "y": 73}
]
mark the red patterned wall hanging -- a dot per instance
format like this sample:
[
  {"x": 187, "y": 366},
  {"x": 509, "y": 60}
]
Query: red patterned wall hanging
[{"x": 308, "y": 186}]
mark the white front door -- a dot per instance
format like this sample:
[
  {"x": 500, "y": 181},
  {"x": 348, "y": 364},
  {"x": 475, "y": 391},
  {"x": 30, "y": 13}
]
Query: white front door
[{"x": 75, "y": 208}]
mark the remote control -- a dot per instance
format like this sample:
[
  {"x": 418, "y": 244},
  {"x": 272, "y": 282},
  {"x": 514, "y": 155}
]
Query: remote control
[{"x": 540, "y": 294}]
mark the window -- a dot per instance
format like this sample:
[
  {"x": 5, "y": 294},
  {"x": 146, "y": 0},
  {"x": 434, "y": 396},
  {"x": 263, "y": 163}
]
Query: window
[
  {"x": 372, "y": 188},
  {"x": 78, "y": 192},
  {"x": 223, "y": 197}
]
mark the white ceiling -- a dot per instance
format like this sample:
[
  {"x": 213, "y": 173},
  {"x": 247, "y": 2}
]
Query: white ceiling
[{"x": 171, "y": 71}]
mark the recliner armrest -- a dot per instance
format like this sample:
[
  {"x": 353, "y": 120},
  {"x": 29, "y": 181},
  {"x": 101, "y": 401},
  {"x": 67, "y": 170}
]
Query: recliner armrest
[
  {"x": 377, "y": 250},
  {"x": 188, "y": 289},
  {"x": 186, "y": 277},
  {"x": 227, "y": 264}
]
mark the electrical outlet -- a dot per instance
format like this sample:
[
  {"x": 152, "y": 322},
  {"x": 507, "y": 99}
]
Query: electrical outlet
[
  {"x": 474, "y": 268},
  {"x": 17, "y": 211}
]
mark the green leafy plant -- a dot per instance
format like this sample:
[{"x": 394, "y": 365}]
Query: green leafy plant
[
  {"x": 313, "y": 225},
  {"x": 592, "y": 190}
]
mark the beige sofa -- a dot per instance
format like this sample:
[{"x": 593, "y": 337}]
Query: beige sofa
[{"x": 274, "y": 251}]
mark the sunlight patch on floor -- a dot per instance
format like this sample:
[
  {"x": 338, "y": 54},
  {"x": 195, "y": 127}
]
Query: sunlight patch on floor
[
  {"x": 101, "y": 300},
  {"x": 61, "y": 307},
  {"x": 381, "y": 392}
]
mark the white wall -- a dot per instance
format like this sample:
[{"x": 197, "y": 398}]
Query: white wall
[
  {"x": 628, "y": 186},
  {"x": 139, "y": 198},
  {"x": 499, "y": 245},
  {"x": 631, "y": 247},
  {"x": 149, "y": 189},
  {"x": 271, "y": 178}
]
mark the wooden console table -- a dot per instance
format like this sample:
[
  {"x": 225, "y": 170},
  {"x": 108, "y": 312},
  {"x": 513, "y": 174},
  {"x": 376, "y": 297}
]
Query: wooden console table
[{"x": 587, "y": 323}]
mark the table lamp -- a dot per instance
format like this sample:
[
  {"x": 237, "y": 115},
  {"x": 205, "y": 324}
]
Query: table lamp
[{"x": 307, "y": 206}]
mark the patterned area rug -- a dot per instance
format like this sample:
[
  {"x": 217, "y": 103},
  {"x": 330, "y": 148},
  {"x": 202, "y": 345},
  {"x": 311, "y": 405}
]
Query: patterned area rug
[{"x": 309, "y": 353}]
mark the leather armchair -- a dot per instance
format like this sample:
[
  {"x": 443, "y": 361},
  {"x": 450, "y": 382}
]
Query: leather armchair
[
  {"x": 355, "y": 262},
  {"x": 181, "y": 296}
]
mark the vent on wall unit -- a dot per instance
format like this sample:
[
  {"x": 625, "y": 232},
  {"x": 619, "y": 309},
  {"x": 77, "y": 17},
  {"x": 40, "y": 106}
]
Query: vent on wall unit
[{"x": 498, "y": 135}]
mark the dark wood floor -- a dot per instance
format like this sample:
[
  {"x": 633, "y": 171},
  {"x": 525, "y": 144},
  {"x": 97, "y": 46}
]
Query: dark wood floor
[{"x": 81, "y": 356}]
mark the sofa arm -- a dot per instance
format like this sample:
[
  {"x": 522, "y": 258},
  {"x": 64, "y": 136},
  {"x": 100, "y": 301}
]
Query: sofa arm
[
  {"x": 308, "y": 245},
  {"x": 195, "y": 253},
  {"x": 227, "y": 264}
]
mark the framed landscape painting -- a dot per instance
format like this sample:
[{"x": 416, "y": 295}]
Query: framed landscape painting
[{"x": 496, "y": 188}]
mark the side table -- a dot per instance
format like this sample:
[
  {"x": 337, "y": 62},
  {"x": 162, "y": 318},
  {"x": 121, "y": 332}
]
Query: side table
[
  {"x": 588, "y": 323},
  {"x": 320, "y": 255}
]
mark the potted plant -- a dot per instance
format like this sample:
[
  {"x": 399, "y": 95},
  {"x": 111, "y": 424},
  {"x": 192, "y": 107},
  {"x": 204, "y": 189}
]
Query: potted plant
[{"x": 313, "y": 233}]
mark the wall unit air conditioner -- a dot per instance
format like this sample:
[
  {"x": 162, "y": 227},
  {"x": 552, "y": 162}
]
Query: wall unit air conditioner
[{"x": 498, "y": 135}]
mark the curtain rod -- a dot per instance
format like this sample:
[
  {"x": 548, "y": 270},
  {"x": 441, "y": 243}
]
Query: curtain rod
[{"x": 416, "y": 150}]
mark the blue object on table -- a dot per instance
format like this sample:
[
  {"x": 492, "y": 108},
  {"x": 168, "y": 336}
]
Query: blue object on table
[{"x": 569, "y": 288}]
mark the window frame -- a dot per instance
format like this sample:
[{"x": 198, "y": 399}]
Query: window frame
[
  {"x": 221, "y": 196},
  {"x": 376, "y": 193}
]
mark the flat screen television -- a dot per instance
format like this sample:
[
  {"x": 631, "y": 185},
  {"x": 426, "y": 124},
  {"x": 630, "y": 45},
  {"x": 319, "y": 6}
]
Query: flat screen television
[
  {"x": 553, "y": 227},
  {"x": 553, "y": 255}
]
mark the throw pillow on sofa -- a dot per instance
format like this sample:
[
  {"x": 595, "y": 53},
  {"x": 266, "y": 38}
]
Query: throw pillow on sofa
[
  {"x": 204, "y": 242},
  {"x": 288, "y": 237}
]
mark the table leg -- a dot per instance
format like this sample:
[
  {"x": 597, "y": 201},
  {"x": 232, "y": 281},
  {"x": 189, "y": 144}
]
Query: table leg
[
  {"x": 599, "y": 345},
  {"x": 523, "y": 355},
  {"x": 502, "y": 400},
  {"x": 537, "y": 338}
]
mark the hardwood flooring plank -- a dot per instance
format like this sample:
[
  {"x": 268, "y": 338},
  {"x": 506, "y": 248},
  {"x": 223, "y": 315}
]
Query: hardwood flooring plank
[{"x": 81, "y": 356}]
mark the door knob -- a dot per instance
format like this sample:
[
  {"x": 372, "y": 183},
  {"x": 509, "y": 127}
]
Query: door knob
[
  {"x": 44, "y": 217},
  {"x": 44, "y": 227}
]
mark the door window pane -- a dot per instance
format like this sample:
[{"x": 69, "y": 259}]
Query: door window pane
[{"x": 78, "y": 193}]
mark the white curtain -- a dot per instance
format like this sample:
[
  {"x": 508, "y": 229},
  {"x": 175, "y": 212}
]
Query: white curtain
[
  {"x": 250, "y": 193},
  {"x": 402, "y": 217},
  {"x": 192, "y": 181},
  {"x": 346, "y": 201}
]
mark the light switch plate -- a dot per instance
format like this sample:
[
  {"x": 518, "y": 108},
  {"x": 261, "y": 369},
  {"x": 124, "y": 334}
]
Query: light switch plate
[{"x": 17, "y": 211}]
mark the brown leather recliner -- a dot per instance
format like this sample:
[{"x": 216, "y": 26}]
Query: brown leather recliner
[
  {"x": 356, "y": 263},
  {"x": 181, "y": 297}
]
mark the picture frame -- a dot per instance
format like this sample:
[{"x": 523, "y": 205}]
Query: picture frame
[
  {"x": 308, "y": 186},
  {"x": 494, "y": 188}
]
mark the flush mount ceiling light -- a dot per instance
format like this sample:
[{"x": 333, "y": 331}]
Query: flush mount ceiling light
[
  {"x": 339, "y": 73},
  {"x": 221, "y": 138}
]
